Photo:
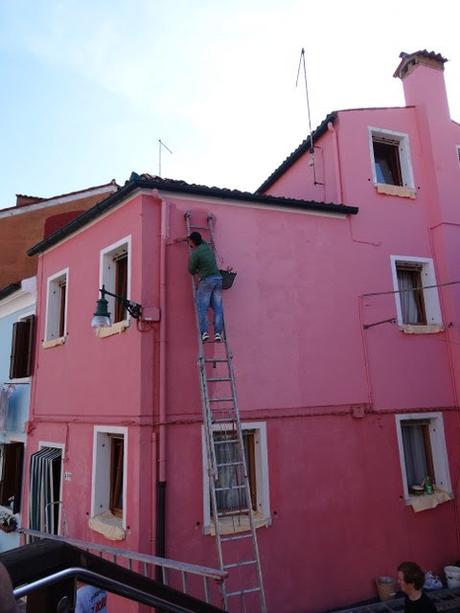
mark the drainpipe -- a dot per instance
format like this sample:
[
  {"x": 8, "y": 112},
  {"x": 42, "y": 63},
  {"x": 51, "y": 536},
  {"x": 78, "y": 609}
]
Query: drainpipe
[{"x": 161, "y": 482}]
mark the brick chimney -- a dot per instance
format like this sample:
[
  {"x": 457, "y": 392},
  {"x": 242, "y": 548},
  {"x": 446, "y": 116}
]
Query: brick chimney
[
  {"x": 422, "y": 74},
  {"x": 22, "y": 200}
]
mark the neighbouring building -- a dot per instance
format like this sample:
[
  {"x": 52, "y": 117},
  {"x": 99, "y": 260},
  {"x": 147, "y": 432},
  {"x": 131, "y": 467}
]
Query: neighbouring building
[
  {"x": 32, "y": 218},
  {"x": 343, "y": 321},
  {"x": 17, "y": 336}
]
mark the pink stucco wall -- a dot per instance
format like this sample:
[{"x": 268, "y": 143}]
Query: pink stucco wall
[{"x": 327, "y": 390}]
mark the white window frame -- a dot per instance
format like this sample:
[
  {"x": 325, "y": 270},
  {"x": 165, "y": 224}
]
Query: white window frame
[
  {"x": 106, "y": 273},
  {"x": 457, "y": 148},
  {"x": 60, "y": 446},
  {"x": 407, "y": 173},
  {"x": 261, "y": 470},
  {"x": 100, "y": 475},
  {"x": 438, "y": 450},
  {"x": 53, "y": 304},
  {"x": 430, "y": 294}
]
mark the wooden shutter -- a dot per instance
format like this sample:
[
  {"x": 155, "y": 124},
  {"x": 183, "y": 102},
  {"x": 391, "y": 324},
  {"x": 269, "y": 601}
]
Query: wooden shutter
[
  {"x": 10, "y": 485},
  {"x": 22, "y": 348}
]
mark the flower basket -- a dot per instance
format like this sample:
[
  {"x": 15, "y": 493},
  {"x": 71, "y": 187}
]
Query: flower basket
[{"x": 228, "y": 276}]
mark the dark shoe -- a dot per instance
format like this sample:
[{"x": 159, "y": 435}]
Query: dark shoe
[
  {"x": 218, "y": 337},
  {"x": 204, "y": 337}
]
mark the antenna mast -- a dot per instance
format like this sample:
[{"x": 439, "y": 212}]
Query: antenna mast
[
  {"x": 312, "y": 147},
  {"x": 160, "y": 145}
]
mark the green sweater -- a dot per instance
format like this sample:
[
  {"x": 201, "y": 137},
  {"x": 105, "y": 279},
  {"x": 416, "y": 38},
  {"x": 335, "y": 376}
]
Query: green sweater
[{"x": 202, "y": 261}]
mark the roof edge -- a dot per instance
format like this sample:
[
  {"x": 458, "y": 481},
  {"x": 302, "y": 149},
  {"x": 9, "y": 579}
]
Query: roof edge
[
  {"x": 297, "y": 153},
  {"x": 138, "y": 182}
]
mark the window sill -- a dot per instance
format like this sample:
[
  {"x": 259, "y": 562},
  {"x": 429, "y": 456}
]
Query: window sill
[
  {"x": 117, "y": 328},
  {"x": 396, "y": 190},
  {"x": 428, "y": 501},
  {"x": 237, "y": 523},
  {"x": 54, "y": 342},
  {"x": 108, "y": 525},
  {"x": 428, "y": 329}
]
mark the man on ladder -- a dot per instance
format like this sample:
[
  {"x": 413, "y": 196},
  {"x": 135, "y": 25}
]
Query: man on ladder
[{"x": 202, "y": 262}]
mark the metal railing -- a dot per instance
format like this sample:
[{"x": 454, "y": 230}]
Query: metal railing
[
  {"x": 175, "y": 574},
  {"x": 110, "y": 585}
]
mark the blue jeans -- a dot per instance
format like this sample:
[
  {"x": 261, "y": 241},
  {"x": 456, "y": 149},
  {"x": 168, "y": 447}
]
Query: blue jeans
[{"x": 209, "y": 294}]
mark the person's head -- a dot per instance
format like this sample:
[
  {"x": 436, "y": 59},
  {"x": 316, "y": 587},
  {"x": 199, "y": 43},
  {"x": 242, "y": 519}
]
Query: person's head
[
  {"x": 195, "y": 239},
  {"x": 410, "y": 577}
]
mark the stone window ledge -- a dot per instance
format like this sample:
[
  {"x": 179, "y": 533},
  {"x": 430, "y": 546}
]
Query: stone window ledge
[
  {"x": 54, "y": 342},
  {"x": 428, "y": 329},
  {"x": 395, "y": 190},
  {"x": 428, "y": 501},
  {"x": 108, "y": 525},
  {"x": 117, "y": 328},
  {"x": 238, "y": 523}
]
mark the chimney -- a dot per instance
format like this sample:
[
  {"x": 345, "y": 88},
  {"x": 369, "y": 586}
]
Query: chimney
[
  {"x": 22, "y": 200},
  {"x": 422, "y": 74}
]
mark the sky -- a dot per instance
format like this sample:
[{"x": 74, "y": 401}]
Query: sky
[{"x": 88, "y": 87}]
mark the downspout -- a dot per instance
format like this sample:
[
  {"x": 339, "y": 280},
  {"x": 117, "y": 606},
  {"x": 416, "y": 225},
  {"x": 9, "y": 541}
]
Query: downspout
[{"x": 161, "y": 482}]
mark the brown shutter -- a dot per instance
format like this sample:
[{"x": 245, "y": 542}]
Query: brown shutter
[
  {"x": 22, "y": 348},
  {"x": 10, "y": 486},
  {"x": 30, "y": 346}
]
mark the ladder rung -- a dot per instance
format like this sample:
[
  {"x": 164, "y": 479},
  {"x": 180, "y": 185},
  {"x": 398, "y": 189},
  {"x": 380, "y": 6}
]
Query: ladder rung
[
  {"x": 236, "y": 513},
  {"x": 210, "y": 360},
  {"x": 217, "y": 379},
  {"x": 236, "y": 564},
  {"x": 240, "y": 537},
  {"x": 228, "y": 489},
  {"x": 229, "y": 440},
  {"x": 221, "y": 399},
  {"x": 230, "y": 464},
  {"x": 199, "y": 227},
  {"x": 243, "y": 592},
  {"x": 221, "y": 420}
]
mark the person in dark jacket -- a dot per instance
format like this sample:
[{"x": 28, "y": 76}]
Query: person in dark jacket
[
  {"x": 202, "y": 262},
  {"x": 411, "y": 578}
]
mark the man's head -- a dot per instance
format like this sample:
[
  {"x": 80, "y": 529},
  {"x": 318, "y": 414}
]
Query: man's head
[
  {"x": 410, "y": 577},
  {"x": 195, "y": 239}
]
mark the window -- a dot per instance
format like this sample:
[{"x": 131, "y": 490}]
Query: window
[
  {"x": 390, "y": 158},
  {"x": 22, "y": 347},
  {"x": 232, "y": 503},
  {"x": 56, "y": 308},
  {"x": 115, "y": 276},
  {"x": 422, "y": 450},
  {"x": 11, "y": 458},
  {"x": 230, "y": 487},
  {"x": 45, "y": 489},
  {"x": 416, "y": 294},
  {"x": 108, "y": 503}
]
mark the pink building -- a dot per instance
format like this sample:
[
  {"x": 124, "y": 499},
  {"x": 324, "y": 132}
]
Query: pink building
[{"x": 343, "y": 324}]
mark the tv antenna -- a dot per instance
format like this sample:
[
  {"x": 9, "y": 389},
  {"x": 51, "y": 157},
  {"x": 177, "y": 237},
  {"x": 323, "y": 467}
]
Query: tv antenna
[
  {"x": 160, "y": 145},
  {"x": 312, "y": 147}
]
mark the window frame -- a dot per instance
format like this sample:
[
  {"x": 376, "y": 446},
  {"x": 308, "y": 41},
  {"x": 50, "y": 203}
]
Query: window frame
[
  {"x": 457, "y": 149},
  {"x": 430, "y": 294},
  {"x": 405, "y": 162},
  {"x": 262, "y": 486},
  {"x": 53, "y": 312},
  {"x": 101, "y": 471},
  {"x": 438, "y": 450},
  {"x": 108, "y": 276}
]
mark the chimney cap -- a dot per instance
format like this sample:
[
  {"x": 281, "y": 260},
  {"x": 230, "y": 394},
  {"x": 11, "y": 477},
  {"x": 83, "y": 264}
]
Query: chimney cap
[{"x": 410, "y": 60}]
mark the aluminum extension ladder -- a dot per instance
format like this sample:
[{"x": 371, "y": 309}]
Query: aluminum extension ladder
[{"x": 231, "y": 504}]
